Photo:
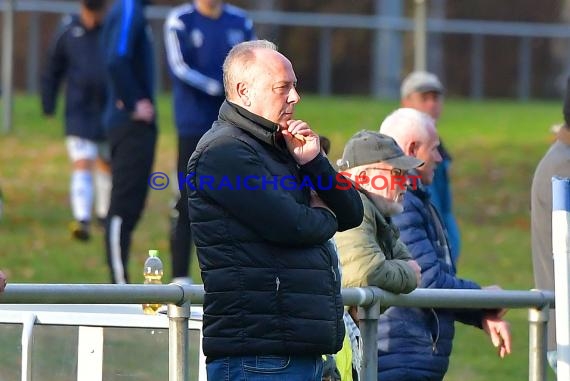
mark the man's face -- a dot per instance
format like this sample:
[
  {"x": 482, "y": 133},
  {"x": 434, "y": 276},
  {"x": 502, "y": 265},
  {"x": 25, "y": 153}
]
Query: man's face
[
  {"x": 271, "y": 88},
  {"x": 430, "y": 103},
  {"x": 387, "y": 181},
  {"x": 209, "y": 4},
  {"x": 427, "y": 152},
  {"x": 384, "y": 180}
]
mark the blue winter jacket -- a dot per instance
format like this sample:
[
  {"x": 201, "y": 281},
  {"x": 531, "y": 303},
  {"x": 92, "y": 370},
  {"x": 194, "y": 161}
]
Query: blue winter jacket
[
  {"x": 414, "y": 343},
  {"x": 442, "y": 198}
]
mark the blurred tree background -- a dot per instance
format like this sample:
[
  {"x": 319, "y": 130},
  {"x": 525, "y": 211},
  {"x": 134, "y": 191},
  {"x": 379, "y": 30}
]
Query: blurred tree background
[{"x": 352, "y": 48}]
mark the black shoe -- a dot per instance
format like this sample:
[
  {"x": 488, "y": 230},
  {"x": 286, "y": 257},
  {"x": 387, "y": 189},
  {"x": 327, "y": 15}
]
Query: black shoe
[{"x": 80, "y": 230}]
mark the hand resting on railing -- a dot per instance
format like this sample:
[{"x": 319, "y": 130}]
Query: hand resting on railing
[
  {"x": 500, "y": 332},
  {"x": 498, "y": 329}
]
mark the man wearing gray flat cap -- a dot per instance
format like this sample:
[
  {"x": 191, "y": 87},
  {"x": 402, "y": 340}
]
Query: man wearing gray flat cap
[{"x": 372, "y": 253}]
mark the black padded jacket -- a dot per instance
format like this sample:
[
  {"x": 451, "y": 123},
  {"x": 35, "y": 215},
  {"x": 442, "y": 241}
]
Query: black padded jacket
[{"x": 269, "y": 269}]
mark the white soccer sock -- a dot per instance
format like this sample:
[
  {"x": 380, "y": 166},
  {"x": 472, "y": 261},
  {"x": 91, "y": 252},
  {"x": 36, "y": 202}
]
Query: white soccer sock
[
  {"x": 81, "y": 194},
  {"x": 102, "y": 182}
]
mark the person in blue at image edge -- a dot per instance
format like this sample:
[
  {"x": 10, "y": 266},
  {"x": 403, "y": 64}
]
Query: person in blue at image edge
[
  {"x": 130, "y": 123},
  {"x": 197, "y": 38},
  {"x": 424, "y": 92},
  {"x": 272, "y": 304}
]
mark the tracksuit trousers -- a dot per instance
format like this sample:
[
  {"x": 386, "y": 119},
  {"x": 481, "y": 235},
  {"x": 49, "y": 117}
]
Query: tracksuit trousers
[
  {"x": 180, "y": 234},
  {"x": 132, "y": 155}
]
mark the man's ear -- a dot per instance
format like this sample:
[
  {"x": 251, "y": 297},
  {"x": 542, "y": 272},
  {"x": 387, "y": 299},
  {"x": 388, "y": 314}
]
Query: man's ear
[
  {"x": 412, "y": 148},
  {"x": 242, "y": 91}
]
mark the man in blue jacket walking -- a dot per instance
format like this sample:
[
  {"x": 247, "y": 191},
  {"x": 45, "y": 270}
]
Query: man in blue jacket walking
[
  {"x": 130, "y": 121},
  {"x": 413, "y": 343}
]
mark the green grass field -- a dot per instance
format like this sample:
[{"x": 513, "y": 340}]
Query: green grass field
[{"x": 496, "y": 146}]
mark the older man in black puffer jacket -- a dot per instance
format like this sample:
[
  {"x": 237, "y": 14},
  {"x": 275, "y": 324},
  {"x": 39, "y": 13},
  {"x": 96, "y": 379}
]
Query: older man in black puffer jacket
[{"x": 272, "y": 302}]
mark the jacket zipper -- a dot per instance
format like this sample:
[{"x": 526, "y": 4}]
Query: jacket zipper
[
  {"x": 333, "y": 255},
  {"x": 434, "y": 341}
]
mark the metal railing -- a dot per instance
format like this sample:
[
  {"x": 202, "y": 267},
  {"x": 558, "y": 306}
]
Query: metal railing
[
  {"x": 368, "y": 299},
  {"x": 177, "y": 297}
]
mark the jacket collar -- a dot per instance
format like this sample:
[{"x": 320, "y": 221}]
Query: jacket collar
[
  {"x": 383, "y": 220},
  {"x": 379, "y": 202},
  {"x": 261, "y": 128},
  {"x": 443, "y": 151},
  {"x": 421, "y": 190}
]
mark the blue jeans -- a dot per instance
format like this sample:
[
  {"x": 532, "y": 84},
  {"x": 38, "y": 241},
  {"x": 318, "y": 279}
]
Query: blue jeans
[{"x": 266, "y": 368}]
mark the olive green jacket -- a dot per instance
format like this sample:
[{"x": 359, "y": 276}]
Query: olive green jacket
[{"x": 372, "y": 253}]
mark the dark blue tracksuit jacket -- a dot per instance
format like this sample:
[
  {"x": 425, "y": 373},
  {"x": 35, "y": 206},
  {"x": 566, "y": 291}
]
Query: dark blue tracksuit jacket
[
  {"x": 128, "y": 54},
  {"x": 196, "y": 47},
  {"x": 75, "y": 56}
]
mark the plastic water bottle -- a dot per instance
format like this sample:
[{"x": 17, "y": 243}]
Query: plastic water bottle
[{"x": 153, "y": 271}]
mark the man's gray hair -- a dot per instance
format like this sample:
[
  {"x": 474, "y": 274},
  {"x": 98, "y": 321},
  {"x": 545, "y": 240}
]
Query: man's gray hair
[
  {"x": 407, "y": 124},
  {"x": 239, "y": 60}
]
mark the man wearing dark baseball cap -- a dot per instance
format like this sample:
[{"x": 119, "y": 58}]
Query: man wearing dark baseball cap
[
  {"x": 372, "y": 253},
  {"x": 369, "y": 147}
]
